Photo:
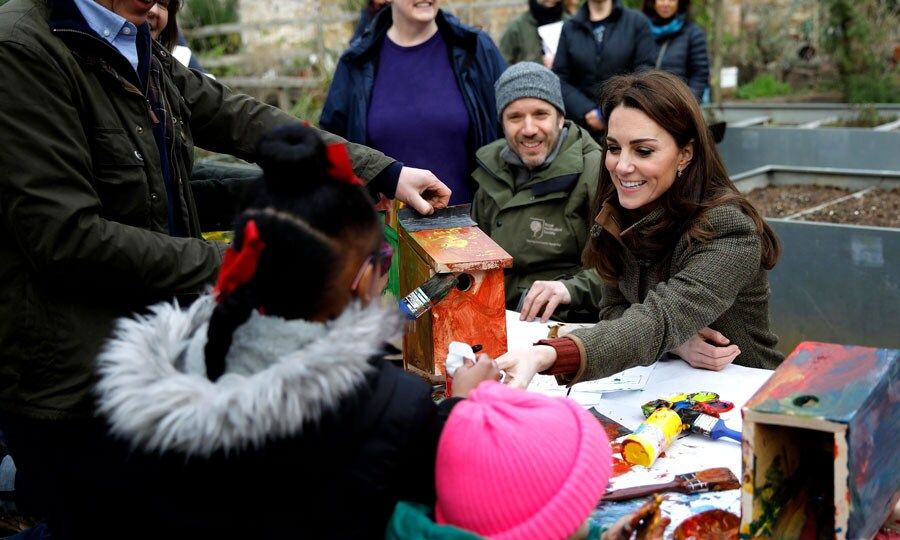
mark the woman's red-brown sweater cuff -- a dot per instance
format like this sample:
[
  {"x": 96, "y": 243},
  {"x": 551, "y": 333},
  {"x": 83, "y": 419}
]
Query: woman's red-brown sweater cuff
[{"x": 568, "y": 357}]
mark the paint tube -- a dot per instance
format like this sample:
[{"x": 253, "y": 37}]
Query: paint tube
[
  {"x": 435, "y": 289},
  {"x": 652, "y": 437}
]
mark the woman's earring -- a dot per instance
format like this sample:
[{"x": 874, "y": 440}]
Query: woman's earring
[{"x": 678, "y": 172}]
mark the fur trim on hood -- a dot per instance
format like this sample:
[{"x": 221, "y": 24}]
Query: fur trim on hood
[{"x": 280, "y": 374}]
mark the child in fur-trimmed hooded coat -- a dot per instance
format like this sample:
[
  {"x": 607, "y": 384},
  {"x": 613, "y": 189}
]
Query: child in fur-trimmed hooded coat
[{"x": 276, "y": 383}]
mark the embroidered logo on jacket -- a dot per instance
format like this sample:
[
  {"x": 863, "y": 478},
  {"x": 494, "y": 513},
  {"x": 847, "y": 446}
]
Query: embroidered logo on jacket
[{"x": 542, "y": 229}]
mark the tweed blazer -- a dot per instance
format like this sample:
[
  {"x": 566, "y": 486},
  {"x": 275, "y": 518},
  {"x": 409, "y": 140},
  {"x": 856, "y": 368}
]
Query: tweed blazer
[{"x": 659, "y": 304}]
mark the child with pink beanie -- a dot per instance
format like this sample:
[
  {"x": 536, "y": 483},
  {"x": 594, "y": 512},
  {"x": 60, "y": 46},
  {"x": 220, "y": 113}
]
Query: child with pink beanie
[{"x": 512, "y": 465}]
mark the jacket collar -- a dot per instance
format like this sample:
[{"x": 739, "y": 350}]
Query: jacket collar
[
  {"x": 450, "y": 27},
  {"x": 280, "y": 375},
  {"x": 611, "y": 220},
  {"x": 64, "y": 14},
  {"x": 68, "y": 24},
  {"x": 513, "y": 159},
  {"x": 569, "y": 159}
]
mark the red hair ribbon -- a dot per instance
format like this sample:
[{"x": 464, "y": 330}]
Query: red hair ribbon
[
  {"x": 239, "y": 266},
  {"x": 341, "y": 169}
]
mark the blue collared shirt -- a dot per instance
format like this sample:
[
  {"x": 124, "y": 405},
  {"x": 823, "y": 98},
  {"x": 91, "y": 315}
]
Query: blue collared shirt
[{"x": 112, "y": 27}]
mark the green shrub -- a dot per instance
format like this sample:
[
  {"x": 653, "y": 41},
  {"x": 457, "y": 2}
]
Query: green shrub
[
  {"x": 763, "y": 85},
  {"x": 872, "y": 88},
  {"x": 198, "y": 13},
  {"x": 859, "y": 35},
  {"x": 207, "y": 12}
]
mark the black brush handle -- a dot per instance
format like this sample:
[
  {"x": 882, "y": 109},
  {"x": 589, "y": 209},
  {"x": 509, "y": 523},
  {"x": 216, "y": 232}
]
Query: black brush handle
[{"x": 640, "y": 491}]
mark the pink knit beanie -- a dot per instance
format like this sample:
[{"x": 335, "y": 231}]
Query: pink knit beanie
[{"x": 514, "y": 465}]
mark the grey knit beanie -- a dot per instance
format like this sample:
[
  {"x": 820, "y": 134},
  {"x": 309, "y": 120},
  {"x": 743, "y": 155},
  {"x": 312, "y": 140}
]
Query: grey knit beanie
[{"x": 528, "y": 80}]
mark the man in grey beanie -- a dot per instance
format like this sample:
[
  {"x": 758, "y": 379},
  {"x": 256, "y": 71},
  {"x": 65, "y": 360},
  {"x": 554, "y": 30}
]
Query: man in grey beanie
[{"x": 535, "y": 188}]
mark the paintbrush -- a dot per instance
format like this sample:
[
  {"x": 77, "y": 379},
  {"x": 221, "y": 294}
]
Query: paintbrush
[
  {"x": 717, "y": 479},
  {"x": 707, "y": 425},
  {"x": 416, "y": 303}
]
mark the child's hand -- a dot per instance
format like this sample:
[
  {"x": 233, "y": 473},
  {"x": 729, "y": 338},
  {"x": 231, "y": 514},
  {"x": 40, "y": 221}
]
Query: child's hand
[
  {"x": 471, "y": 374},
  {"x": 647, "y": 522}
]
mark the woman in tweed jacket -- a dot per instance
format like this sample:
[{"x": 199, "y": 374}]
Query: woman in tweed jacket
[{"x": 683, "y": 255}]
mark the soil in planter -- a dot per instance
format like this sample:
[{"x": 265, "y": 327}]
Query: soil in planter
[
  {"x": 879, "y": 207},
  {"x": 862, "y": 121},
  {"x": 783, "y": 201}
]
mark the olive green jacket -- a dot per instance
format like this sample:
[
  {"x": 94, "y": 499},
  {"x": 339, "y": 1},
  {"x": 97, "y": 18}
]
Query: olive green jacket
[
  {"x": 521, "y": 42},
  {"x": 658, "y": 305},
  {"x": 83, "y": 213},
  {"x": 544, "y": 225}
]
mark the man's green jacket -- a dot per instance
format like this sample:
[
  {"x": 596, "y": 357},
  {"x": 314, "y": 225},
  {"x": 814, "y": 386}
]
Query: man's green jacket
[
  {"x": 83, "y": 210},
  {"x": 544, "y": 224}
]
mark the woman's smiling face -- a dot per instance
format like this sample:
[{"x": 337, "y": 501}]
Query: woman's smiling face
[{"x": 642, "y": 158}]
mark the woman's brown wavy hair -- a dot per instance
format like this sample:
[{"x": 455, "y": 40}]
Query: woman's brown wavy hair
[
  {"x": 169, "y": 35},
  {"x": 703, "y": 184}
]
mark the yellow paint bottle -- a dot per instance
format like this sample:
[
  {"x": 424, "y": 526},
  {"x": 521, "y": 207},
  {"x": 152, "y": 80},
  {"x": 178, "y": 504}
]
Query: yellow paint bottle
[{"x": 654, "y": 435}]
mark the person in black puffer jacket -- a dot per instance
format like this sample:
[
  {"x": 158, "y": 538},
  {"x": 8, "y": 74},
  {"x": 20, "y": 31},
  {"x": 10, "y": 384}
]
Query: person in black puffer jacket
[
  {"x": 601, "y": 40},
  {"x": 267, "y": 409},
  {"x": 681, "y": 42}
]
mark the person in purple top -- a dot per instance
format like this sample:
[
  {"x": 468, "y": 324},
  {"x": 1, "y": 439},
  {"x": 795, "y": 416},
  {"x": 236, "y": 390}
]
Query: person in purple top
[{"x": 419, "y": 85}]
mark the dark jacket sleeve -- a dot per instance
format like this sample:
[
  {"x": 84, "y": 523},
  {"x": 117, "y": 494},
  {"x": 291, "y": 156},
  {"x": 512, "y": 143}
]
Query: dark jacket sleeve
[
  {"x": 221, "y": 190},
  {"x": 49, "y": 205},
  {"x": 495, "y": 61},
  {"x": 584, "y": 288},
  {"x": 645, "y": 51},
  {"x": 337, "y": 103},
  {"x": 495, "y": 65},
  {"x": 698, "y": 62},
  {"x": 427, "y": 422},
  {"x": 577, "y": 104}
]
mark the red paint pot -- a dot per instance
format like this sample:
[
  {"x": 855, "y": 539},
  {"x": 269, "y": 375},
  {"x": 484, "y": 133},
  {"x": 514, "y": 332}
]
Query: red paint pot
[{"x": 710, "y": 525}]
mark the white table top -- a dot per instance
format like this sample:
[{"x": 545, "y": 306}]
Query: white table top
[{"x": 687, "y": 454}]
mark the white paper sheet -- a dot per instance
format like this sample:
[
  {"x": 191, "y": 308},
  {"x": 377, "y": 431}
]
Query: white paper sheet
[
  {"x": 550, "y": 36},
  {"x": 631, "y": 379}
]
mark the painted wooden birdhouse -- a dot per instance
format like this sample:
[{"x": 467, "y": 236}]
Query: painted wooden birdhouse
[
  {"x": 821, "y": 450},
  {"x": 473, "y": 312}
]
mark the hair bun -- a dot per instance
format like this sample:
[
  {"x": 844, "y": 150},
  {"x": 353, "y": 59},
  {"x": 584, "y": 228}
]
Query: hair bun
[{"x": 293, "y": 159}]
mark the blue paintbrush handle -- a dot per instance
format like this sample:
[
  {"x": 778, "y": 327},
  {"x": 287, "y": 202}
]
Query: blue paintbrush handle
[
  {"x": 721, "y": 430},
  {"x": 713, "y": 427}
]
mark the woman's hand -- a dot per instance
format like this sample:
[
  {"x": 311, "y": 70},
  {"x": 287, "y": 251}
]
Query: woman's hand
[
  {"x": 521, "y": 365},
  {"x": 471, "y": 374},
  {"x": 708, "y": 349},
  {"x": 546, "y": 295}
]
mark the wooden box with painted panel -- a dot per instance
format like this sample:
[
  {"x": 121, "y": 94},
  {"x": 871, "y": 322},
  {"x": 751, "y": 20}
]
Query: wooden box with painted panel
[
  {"x": 474, "y": 312},
  {"x": 821, "y": 450}
]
